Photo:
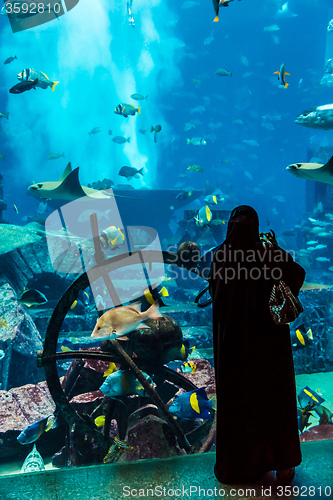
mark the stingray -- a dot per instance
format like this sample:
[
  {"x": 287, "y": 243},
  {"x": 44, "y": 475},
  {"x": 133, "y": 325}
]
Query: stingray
[
  {"x": 313, "y": 171},
  {"x": 67, "y": 188}
]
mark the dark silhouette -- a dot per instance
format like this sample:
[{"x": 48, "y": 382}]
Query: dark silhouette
[{"x": 257, "y": 427}]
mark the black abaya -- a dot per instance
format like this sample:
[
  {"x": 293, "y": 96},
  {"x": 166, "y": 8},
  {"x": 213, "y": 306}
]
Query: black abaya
[{"x": 255, "y": 383}]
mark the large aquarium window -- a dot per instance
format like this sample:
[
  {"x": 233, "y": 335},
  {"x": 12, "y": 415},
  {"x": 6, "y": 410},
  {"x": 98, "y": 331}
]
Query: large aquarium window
[{"x": 129, "y": 130}]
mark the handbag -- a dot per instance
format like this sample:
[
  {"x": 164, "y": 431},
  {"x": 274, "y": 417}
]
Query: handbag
[{"x": 283, "y": 305}]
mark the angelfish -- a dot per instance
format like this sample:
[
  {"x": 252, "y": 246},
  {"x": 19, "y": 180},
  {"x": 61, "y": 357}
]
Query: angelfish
[
  {"x": 282, "y": 74},
  {"x": 119, "y": 321}
]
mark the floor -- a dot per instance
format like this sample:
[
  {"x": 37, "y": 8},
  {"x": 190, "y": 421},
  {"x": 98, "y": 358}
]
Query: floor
[{"x": 181, "y": 477}]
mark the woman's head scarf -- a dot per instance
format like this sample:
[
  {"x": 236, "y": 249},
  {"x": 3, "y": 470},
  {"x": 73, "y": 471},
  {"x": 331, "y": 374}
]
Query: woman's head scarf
[{"x": 243, "y": 228}]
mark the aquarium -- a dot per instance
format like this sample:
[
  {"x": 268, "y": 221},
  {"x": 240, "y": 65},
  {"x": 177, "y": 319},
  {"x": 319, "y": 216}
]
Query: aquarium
[{"x": 129, "y": 131}]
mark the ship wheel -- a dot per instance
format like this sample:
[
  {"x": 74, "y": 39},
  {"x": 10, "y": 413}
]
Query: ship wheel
[{"x": 115, "y": 409}]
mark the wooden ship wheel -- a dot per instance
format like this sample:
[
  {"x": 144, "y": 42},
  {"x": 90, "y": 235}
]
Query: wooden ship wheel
[{"x": 115, "y": 409}]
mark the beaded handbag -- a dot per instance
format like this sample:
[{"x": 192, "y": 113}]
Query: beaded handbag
[{"x": 283, "y": 305}]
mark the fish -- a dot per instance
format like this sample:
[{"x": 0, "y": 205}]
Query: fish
[
  {"x": 156, "y": 130},
  {"x": 217, "y": 4},
  {"x": 111, "y": 238},
  {"x": 32, "y": 297},
  {"x": 218, "y": 222},
  {"x": 130, "y": 172},
  {"x": 100, "y": 421},
  {"x": 29, "y": 75},
  {"x": 208, "y": 40},
  {"x": 301, "y": 337},
  {"x": 222, "y": 72},
  {"x": 196, "y": 141},
  {"x": 95, "y": 130},
  {"x": 118, "y": 139},
  {"x": 112, "y": 368},
  {"x": 183, "y": 195},
  {"x": 323, "y": 259},
  {"x": 110, "y": 132},
  {"x": 150, "y": 296},
  {"x": 303, "y": 416},
  {"x": 139, "y": 97},
  {"x": 34, "y": 462},
  {"x": 21, "y": 87},
  {"x": 272, "y": 27},
  {"x": 2, "y": 157},
  {"x": 123, "y": 382},
  {"x": 163, "y": 292},
  {"x": 119, "y": 321},
  {"x": 313, "y": 171},
  {"x": 69, "y": 345},
  {"x": 284, "y": 12},
  {"x": 326, "y": 416},
  {"x": 15, "y": 209},
  {"x": 126, "y": 110},
  {"x": 314, "y": 286},
  {"x": 2, "y": 355},
  {"x": 10, "y": 59},
  {"x": 188, "y": 126},
  {"x": 33, "y": 431},
  {"x": 320, "y": 117},
  {"x": 211, "y": 199},
  {"x": 204, "y": 216},
  {"x": 42, "y": 208},
  {"x": 177, "y": 353},
  {"x": 312, "y": 242},
  {"x": 116, "y": 449},
  {"x": 195, "y": 168},
  {"x": 244, "y": 60},
  {"x": 3, "y": 323},
  {"x": 307, "y": 395},
  {"x": 78, "y": 307},
  {"x": 55, "y": 156},
  {"x": 188, "y": 367},
  {"x": 192, "y": 404},
  {"x": 4, "y": 115},
  {"x": 100, "y": 304},
  {"x": 282, "y": 74},
  {"x": 67, "y": 188}
]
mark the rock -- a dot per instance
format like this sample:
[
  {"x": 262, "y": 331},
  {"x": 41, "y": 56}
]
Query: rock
[
  {"x": 317, "y": 433},
  {"x": 19, "y": 408},
  {"x": 16, "y": 236},
  {"x": 87, "y": 402},
  {"x": 160, "y": 342},
  {"x": 151, "y": 437},
  {"x": 20, "y": 341},
  {"x": 204, "y": 375}
]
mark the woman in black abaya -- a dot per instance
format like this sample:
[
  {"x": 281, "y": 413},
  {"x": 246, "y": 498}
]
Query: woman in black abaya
[{"x": 255, "y": 383}]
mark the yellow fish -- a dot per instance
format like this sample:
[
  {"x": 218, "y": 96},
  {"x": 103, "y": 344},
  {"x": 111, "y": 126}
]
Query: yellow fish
[
  {"x": 162, "y": 293},
  {"x": 3, "y": 323},
  {"x": 112, "y": 368},
  {"x": 100, "y": 421}
]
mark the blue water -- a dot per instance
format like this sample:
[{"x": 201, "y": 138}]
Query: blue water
[{"x": 100, "y": 60}]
